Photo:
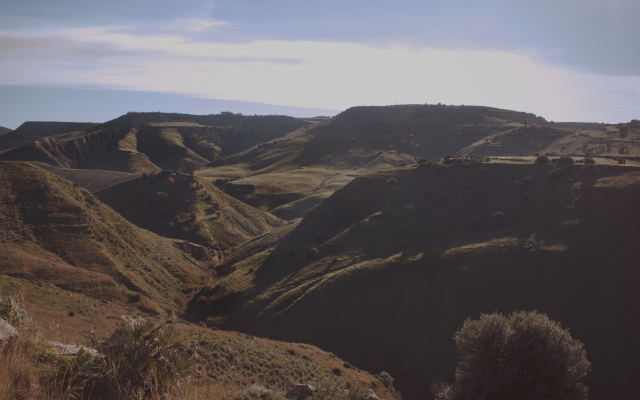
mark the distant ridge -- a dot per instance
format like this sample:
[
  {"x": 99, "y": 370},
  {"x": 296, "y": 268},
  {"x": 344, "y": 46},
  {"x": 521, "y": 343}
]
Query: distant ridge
[
  {"x": 33, "y": 130},
  {"x": 138, "y": 142},
  {"x": 4, "y": 130}
]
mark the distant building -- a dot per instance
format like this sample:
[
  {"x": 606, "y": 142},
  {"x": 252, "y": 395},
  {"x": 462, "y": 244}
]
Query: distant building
[{"x": 226, "y": 113}]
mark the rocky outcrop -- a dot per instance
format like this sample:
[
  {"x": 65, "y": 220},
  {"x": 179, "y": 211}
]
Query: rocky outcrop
[
  {"x": 301, "y": 391},
  {"x": 7, "y": 332},
  {"x": 71, "y": 349}
]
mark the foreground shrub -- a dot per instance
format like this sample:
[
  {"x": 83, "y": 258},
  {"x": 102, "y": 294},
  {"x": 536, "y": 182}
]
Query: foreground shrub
[
  {"x": 141, "y": 360},
  {"x": 525, "y": 356}
]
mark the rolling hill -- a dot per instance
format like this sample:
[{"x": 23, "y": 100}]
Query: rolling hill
[
  {"x": 138, "y": 142},
  {"x": 188, "y": 208},
  {"x": 4, "y": 130},
  {"x": 54, "y": 231},
  {"x": 385, "y": 270}
]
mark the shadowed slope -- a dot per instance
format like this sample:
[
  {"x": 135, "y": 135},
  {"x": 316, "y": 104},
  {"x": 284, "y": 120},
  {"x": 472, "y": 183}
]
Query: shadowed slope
[
  {"x": 383, "y": 272},
  {"x": 59, "y": 233},
  {"x": 189, "y": 208}
]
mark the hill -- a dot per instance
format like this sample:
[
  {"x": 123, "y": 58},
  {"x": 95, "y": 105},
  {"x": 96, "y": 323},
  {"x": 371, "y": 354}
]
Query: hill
[
  {"x": 290, "y": 176},
  {"x": 54, "y": 231},
  {"x": 149, "y": 142},
  {"x": 384, "y": 271},
  {"x": 4, "y": 130},
  {"x": 90, "y": 179},
  {"x": 33, "y": 130},
  {"x": 188, "y": 208}
]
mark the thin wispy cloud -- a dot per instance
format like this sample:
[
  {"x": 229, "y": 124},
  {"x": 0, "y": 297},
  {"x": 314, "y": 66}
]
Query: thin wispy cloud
[{"x": 333, "y": 75}]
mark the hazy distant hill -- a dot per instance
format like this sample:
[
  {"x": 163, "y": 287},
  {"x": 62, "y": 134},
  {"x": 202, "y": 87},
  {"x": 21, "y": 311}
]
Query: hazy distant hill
[
  {"x": 33, "y": 130},
  {"x": 56, "y": 232},
  {"x": 4, "y": 130},
  {"x": 384, "y": 271},
  {"x": 149, "y": 142}
]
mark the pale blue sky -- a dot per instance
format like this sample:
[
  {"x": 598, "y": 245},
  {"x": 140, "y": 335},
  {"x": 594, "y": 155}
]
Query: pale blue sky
[{"x": 564, "y": 60}]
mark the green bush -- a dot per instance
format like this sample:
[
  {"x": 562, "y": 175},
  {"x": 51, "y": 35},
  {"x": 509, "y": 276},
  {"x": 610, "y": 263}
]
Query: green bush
[
  {"x": 525, "y": 356},
  {"x": 565, "y": 160},
  {"x": 542, "y": 160}
]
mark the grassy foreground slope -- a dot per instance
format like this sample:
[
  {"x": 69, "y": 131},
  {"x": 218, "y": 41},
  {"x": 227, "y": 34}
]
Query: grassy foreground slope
[
  {"x": 228, "y": 363},
  {"x": 189, "y": 208},
  {"x": 56, "y": 232},
  {"x": 138, "y": 142},
  {"x": 384, "y": 271}
]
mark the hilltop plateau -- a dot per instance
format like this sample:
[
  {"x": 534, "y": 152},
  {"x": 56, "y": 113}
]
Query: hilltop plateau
[
  {"x": 385, "y": 270},
  {"x": 149, "y": 142}
]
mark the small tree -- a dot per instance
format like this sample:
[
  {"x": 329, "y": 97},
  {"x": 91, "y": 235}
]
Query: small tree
[{"x": 525, "y": 356}]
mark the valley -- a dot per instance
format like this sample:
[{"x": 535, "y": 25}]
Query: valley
[{"x": 359, "y": 243}]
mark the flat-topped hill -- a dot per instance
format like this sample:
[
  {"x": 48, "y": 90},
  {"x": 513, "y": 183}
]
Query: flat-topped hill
[{"x": 385, "y": 270}]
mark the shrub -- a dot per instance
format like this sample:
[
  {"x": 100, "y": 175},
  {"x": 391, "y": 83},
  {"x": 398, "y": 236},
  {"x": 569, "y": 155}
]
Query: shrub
[
  {"x": 622, "y": 161},
  {"x": 171, "y": 181},
  {"x": 542, "y": 160},
  {"x": 441, "y": 168},
  {"x": 589, "y": 160},
  {"x": 392, "y": 181},
  {"x": 556, "y": 174},
  {"x": 458, "y": 162},
  {"x": 498, "y": 220},
  {"x": 142, "y": 359},
  {"x": 313, "y": 252},
  {"x": 386, "y": 379},
  {"x": 423, "y": 161},
  {"x": 525, "y": 356},
  {"x": 145, "y": 176},
  {"x": 565, "y": 160},
  {"x": 590, "y": 169}
]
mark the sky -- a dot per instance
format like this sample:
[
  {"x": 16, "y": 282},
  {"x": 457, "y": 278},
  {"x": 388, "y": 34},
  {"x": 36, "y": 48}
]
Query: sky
[{"x": 87, "y": 60}]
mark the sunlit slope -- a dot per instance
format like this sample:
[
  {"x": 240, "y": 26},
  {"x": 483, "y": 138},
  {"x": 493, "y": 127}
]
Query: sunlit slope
[
  {"x": 139, "y": 142},
  {"x": 383, "y": 273},
  {"x": 189, "y": 208},
  {"x": 56, "y": 232}
]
